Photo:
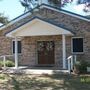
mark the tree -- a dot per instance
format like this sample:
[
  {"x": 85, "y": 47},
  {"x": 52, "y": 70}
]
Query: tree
[
  {"x": 30, "y": 4},
  {"x": 86, "y": 3},
  {"x": 55, "y": 2},
  {"x": 3, "y": 19}
]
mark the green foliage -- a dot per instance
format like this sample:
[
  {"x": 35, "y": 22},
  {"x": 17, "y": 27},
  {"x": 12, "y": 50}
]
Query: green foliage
[
  {"x": 88, "y": 64},
  {"x": 80, "y": 66},
  {"x": 8, "y": 63},
  {"x": 30, "y": 4},
  {"x": 83, "y": 66},
  {"x": 55, "y": 1},
  {"x": 3, "y": 19},
  {"x": 1, "y": 63},
  {"x": 77, "y": 67},
  {"x": 77, "y": 64},
  {"x": 2, "y": 76}
]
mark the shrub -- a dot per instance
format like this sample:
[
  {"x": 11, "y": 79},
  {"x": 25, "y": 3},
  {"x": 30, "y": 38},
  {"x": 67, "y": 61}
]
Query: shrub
[
  {"x": 80, "y": 66},
  {"x": 83, "y": 66},
  {"x": 2, "y": 76},
  {"x": 1, "y": 63},
  {"x": 8, "y": 63},
  {"x": 77, "y": 67},
  {"x": 88, "y": 65}
]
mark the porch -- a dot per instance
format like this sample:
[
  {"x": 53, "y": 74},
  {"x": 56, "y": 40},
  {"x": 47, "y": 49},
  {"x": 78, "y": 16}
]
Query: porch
[
  {"x": 33, "y": 70},
  {"x": 40, "y": 30}
]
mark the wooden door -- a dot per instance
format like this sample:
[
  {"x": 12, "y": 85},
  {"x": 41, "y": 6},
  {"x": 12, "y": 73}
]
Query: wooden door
[{"x": 45, "y": 52}]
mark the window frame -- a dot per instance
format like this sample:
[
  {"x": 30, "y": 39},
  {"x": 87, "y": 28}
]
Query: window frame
[
  {"x": 72, "y": 45},
  {"x": 12, "y": 46}
]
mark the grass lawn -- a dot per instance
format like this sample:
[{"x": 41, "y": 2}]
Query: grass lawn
[{"x": 44, "y": 82}]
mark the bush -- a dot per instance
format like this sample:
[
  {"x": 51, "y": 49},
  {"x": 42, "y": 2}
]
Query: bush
[
  {"x": 80, "y": 67},
  {"x": 2, "y": 77},
  {"x": 88, "y": 65},
  {"x": 1, "y": 63},
  {"x": 8, "y": 63},
  {"x": 77, "y": 67},
  {"x": 83, "y": 66}
]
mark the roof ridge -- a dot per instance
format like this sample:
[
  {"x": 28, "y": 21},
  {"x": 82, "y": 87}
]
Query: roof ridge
[
  {"x": 68, "y": 12},
  {"x": 22, "y": 15},
  {"x": 42, "y": 19},
  {"x": 44, "y": 5}
]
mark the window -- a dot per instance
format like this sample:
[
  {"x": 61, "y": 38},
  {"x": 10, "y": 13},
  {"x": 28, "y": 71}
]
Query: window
[
  {"x": 77, "y": 45},
  {"x": 19, "y": 46}
]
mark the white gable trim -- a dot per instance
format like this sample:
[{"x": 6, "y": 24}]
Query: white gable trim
[
  {"x": 16, "y": 20},
  {"x": 41, "y": 6},
  {"x": 38, "y": 27}
]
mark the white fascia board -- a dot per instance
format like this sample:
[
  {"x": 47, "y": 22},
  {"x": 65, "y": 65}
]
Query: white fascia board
[
  {"x": 17, "y": 29},
  {"x": 14, "y": 21},
  {"x": 42, "y": 6},
  {"x": 63, "y": 31}
]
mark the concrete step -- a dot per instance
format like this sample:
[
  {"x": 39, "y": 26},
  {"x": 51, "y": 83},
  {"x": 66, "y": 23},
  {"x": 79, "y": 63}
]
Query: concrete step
[{"x": 34, "y": 71}]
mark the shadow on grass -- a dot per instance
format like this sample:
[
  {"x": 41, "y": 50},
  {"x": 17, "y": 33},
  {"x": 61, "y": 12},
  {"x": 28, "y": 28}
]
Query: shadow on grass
[
  {"x": 15, "y": 84},
  {"x": 72, "y": 82},
  {"x": 48, "y": 82}
]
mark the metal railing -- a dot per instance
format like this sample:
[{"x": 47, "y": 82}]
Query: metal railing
[
  {"x": 71, "y": 61},
  {"x": 3, "y": 58}
]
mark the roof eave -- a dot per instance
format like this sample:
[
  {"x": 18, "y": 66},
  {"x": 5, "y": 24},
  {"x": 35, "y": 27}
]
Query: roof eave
[{"x": 41, "y": 6}]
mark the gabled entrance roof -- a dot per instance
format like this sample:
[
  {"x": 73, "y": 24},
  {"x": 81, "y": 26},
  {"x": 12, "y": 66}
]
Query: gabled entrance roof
[{"x": 38, "y": 27}]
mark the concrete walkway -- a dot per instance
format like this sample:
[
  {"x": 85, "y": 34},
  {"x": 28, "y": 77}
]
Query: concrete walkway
[{"x": 33, "y": 70}]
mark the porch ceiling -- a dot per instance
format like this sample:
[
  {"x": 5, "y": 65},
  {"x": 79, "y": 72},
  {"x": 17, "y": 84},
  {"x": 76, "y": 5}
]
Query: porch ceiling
[{"x": 38, "y": 27}]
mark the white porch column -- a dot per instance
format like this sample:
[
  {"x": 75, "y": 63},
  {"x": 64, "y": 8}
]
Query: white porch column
[
  {"x": 64, "y": 51},
  {"x": 16, "y": 53}
]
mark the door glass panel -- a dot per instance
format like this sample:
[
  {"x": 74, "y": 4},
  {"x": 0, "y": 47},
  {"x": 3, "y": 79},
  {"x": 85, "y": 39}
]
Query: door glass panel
[
  {"x": 50, "y": 46},
  {"x": 40, "y": 46},
  {"x": 45, "y": 52}
]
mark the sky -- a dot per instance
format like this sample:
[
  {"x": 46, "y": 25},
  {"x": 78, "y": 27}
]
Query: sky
[
  {"x": 11, "y": 8},
  {"x": 78, "y": 9}
]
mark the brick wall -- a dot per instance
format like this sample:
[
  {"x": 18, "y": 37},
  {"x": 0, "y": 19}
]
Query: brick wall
[
  {"x": 80, "y": 27},
  {"x": 29, "y": 49}
]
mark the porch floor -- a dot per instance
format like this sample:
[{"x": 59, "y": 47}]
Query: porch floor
[{"x": 34, "y": 70}]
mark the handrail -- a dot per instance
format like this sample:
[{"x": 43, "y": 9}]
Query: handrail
[
  {"x": 6, "y": 55},
  {"x": 71, "y": 61},
  {"x": 4, "y": 59}
]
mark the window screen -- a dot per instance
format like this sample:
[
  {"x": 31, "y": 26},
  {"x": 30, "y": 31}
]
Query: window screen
[
  {"x": 77, "y": 44},
  {"x": 19, "y": 46}
]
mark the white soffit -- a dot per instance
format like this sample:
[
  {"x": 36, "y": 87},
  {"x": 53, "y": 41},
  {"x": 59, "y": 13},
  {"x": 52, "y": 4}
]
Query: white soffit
[{"x": 38, "y": 27}]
